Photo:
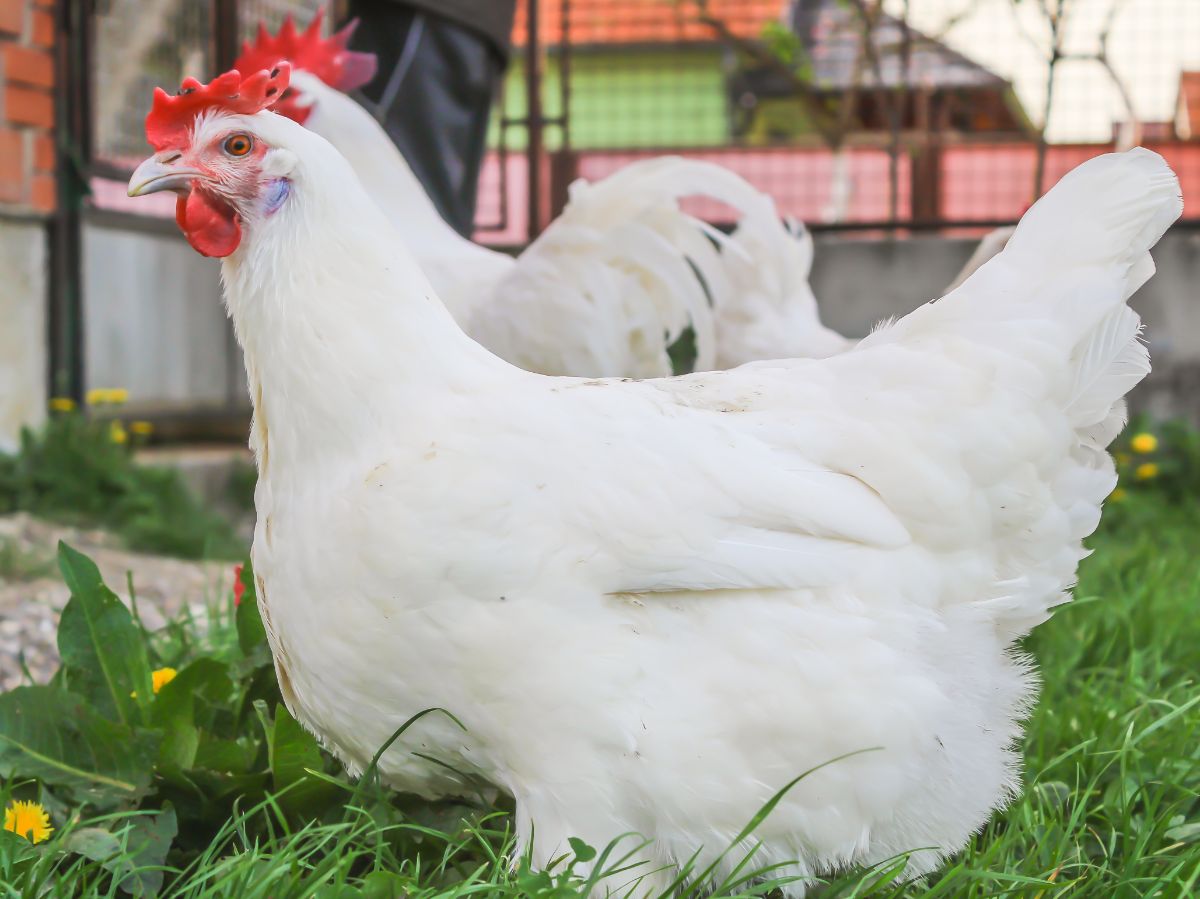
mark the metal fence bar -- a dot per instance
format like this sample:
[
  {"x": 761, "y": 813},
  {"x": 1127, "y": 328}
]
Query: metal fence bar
[
  {"x": 533, "y": 118},
  {"x": 638, "y": 77},
  {"x": 73, "y": 43}
]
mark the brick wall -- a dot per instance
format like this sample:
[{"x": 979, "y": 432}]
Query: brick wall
[{"x": 27, "y": 105}]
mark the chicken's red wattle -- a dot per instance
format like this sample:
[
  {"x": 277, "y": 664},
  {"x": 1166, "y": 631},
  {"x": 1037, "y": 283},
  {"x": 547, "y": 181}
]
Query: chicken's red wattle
[{"x": 209, "y": 223}]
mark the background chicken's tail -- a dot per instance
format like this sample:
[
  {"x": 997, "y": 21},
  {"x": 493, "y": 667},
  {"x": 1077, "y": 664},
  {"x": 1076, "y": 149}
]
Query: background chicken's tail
[
  {"x": 757, "y": 283},
  {"x": 765, "y": 308},
  {"x": 626, "y": 244}
]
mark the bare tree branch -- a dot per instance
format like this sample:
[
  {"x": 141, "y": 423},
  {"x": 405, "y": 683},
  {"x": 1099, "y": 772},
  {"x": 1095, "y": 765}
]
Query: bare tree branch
[
  {"x": 891, "y": 102},
  {"x": 1055, "y": 12},
  {"x": 965, "y": 12}
]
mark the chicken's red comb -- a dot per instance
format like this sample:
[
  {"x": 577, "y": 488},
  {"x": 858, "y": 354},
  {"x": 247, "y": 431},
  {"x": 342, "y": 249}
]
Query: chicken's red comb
[
  {"x": 171, "y": 117},
  {"x": 326, "y": 57}
]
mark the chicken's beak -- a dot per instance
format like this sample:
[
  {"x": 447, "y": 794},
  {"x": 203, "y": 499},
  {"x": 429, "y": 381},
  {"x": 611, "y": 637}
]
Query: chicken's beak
[{"x": 160, "y": 172}]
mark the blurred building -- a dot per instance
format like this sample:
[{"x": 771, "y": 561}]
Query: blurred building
[
  {"x": 935, "y": 87},
  {"x": 28, "y": 195}
]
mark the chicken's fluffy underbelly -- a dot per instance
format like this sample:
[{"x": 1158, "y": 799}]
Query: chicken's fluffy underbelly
[{"x": 644, "y": 714}]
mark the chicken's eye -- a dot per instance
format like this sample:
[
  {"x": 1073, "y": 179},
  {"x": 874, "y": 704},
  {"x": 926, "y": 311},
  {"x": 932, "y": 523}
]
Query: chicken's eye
[{"x": 238, "y": 144}]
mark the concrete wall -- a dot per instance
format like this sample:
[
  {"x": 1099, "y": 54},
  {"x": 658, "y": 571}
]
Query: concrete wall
[
  {"x": 859, "y": 282},
  {"x": 23, "y": 362},
  {"x": 154, "y": 322}
]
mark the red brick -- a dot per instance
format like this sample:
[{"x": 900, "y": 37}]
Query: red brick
[
  {"x": 43, "y": 193},
  {"x": 12, "y": 150},
  {"x": 23, "y": 65},
  {"x": 43, "y": 28},
  {"x": 12, "y": 166},
  {"x": 43, "y": 153},
  {"x": 28, "y": 106},
  {"x": 12, "y": 192},
  {"x": 12, "y": 16}
]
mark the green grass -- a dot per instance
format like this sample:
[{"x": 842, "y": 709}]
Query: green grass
[{"x": 1110, "y": 807}]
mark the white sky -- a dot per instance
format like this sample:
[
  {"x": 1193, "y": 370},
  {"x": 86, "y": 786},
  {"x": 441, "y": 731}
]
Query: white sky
[{"x": 1152, "y": 41}]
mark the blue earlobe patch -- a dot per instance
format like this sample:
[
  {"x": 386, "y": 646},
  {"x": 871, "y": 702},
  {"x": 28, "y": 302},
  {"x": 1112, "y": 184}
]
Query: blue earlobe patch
[{"x": 277, "y": 192}]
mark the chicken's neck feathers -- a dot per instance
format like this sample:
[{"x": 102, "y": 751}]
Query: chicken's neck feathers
[{"x": 340, "y": 329}]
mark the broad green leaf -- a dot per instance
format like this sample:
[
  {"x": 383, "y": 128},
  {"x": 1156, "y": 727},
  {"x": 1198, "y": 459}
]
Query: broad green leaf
[
  {"x": 135, "y": 855},
  {"x": 293, "y": 749},
  {"x": 174, "y": 709},
  {"x": 205, "y": 679},
  {"x": 1185, "y": 833},
  {"x": 54, "y": 736},
  {"x": 230, "y": 756},
  {"x": 583, "y": 852},
  {"x": 383, "y": 885},
  {"x": 95, "y": 843},
  {"x": 217, "y": 786},
  {"x": 180, "y": 742},
  {"x": 148, "y": 843},
  {"x": 100, "y": 644}
]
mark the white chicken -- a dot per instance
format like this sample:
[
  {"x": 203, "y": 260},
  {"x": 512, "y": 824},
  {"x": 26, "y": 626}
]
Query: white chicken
[
  {"x": 989, "y": 247},
  {"x": 608, "y": 287},
  {"x": 652, "y": 604}
]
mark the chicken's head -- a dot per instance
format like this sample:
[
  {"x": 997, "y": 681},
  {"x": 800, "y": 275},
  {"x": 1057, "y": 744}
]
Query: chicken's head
[
  {"x": 210, "y": 151},
  {"x": 308, "y": 51}
]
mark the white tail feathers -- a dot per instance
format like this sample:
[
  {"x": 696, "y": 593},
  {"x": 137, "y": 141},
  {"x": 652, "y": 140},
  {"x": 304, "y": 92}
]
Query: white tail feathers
[
  {"x": 768, "y": 310},
  {"x": 757, "y": 282},
  {"x": 1075, "y": 258},
  {"x": 1107, "y": 364},
  {"x": 1113, "y": 208},
  {"x": 1107, "y": 212},
  {"x": 762, "y": 305}
]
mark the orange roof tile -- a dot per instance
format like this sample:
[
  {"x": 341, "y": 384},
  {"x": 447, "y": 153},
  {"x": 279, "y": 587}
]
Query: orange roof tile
[{"x": 645, "y": 21}]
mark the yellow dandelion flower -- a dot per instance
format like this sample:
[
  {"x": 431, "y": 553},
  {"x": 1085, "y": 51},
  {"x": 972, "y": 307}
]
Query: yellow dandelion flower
[
  {"x": 142, "y": 428},
  {"x": 29, "y": 820},
  {"x": 1147, "y": 471},
  {"x": 160, "y": 677},
  {"x": 62, "y": 404},
  {"x": 118, "y": 433},
  {"x": 107, "y": 396},
  {"x": 1118, "y": 495},
  {"x": 1143, "y": 443}
]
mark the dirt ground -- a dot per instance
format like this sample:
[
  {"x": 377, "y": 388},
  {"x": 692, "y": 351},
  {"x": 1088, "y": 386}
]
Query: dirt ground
[{"x": 32, "y": 593}]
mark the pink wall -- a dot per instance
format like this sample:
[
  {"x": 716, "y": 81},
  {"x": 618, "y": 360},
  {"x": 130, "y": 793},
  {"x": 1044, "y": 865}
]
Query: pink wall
[{"x": 979, "y": 182}]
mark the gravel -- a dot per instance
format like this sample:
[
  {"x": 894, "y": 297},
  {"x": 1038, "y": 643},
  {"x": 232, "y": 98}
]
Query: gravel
[{"x": 32, "y": 593}]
